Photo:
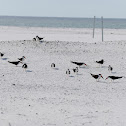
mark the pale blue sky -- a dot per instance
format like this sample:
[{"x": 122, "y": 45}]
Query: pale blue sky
[{"x": 64, "y": 8}]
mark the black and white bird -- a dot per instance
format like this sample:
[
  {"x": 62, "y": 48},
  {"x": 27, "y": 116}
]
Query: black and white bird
[
  {"x": 1, "y": 54},
  {"x": 34, "y": 39},
  {"x": 53, "y": 65},
  {"x": 79, "y": 63},
  {"x": 110, "y": 68},
  {"x": 97, "y": 77},
  {"x": 100, "y": 62},
  {"x": 25, "y": 66},
  {"x": 14, "y": 62},
  {"x": 114, "y": 77},
  {"x": 39, "y": 38},
  {"x": 22, "y": 58},
  {"x": 68, "y": 72},
  {"x": 75, "y": 70}
]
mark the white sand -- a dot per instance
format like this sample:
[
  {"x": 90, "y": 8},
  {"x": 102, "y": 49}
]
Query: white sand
[
  {"x": 43, "y": 96},
  {"x": 61, "y": 34}
]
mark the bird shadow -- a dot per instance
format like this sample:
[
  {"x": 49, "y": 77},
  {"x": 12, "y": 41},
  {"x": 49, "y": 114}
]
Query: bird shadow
[
  {"x": 4, "y": 58},
  {"x": 84, "y": 67},
  {"x": 56, "y": 68},
  {"x": 80, "y": 74},
  {"x": 113, "y": 82},
  {"x": 102, "y": 82},
  {"x": 71, "y": 76},
  {"x": 18, "y": 66},
  {"x": 104, "y": 66},
  {"x": 28, "y": 70},
  {"x": 113, "y": 72},
  {"x": 41, "y": 41}
]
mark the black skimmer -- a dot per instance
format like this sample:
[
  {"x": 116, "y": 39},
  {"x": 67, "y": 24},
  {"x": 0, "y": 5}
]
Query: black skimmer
[
  {"x": 114, "y": 77},
  {"x": 79, "y": 63},
  {"x": 25, "y": 66},
  {"x": 39, "y": 38},
  {"x": 1, "y": 54},
  {"x": 100, "y": 62},
  {"x": 22, "y": 59},
  {"x": 97, "y": 77},
  {"x": 68, "y": 72},
  {"x": 110, "y": 68},
  {"x": 34, "y": 39},
  {"x": 15, "y": 62},
  {"x": 75, "y": 70},
  {"x": 53, "y": 65}
]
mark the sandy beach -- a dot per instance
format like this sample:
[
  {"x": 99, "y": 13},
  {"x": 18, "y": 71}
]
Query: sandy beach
[
  {"x": 45, "y": 96},
  {"x": 8, "y": 33}
]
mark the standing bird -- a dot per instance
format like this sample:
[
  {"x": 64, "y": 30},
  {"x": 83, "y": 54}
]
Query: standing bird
[
  {"x": 100, "y": 62},
  {"x": 79, "y": 63},
  {"x": 38, "y": 38},
  {"x": 25, "y": 66},
  {"x": 97, "y": 77},
  {"x": 110, "y": 68},
  {"x": 53, "y": 65},
  {"x": 1, "y": 54},
  {"x": 114, "y": 77},
  {"x": 68, "y": 72},
  {"x": 14, "y": 62},
  {"x": 22, "y": 59}
]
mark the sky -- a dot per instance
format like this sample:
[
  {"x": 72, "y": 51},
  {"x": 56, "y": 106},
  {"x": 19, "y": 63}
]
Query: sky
[{"x": 64, "y": 8}]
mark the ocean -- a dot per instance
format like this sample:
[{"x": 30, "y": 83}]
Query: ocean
[{"x": 61, "y": 22}]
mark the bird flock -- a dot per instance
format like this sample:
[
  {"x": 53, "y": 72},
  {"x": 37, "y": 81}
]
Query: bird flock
[
  {"x": 37, "y": 38},
  {"x": 95, "y": 76},
  {"x": 20, "y": 60}
]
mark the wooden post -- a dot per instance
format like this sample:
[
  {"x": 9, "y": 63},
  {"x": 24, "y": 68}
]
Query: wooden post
[
  {"x": 102, "y": 28},
  {"x": 94, "y": 27}
]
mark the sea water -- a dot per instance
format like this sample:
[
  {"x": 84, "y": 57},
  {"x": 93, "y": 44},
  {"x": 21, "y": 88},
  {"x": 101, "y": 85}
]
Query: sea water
[{"x": 61, "y": 22}]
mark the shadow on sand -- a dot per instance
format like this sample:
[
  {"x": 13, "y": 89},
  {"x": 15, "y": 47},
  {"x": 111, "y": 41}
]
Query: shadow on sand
[
  {"x": 113, "y": 72},
  {"x": 56, "y": 68},
  {"x": 4, "y": 58},
  {"x": 80, "y": 74},
  {"x": 102, "y": 82},
  {"x": 104, "y": 66},
  {"x": 71, "y": 76},
  {"x": 84, "y": 67},
  {"x": 28, "y": 70}
]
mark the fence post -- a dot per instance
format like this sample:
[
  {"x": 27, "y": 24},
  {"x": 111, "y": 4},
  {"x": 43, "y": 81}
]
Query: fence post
[
  {"x": 102, "y": 28},
  {"x": 94, "y": 27}
]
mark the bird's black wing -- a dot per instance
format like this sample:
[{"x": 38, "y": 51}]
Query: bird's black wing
[{"x": 77, "y": 63}]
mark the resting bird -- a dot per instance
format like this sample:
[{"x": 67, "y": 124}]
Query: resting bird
[
  {"x": 79, "y": 63},
  {"x": 68, "y": 72},
  {"x": 25, "y": 66},
  {"x": 34, "y": 39},
  {"x": 14, "y": 62},
  {"x": 22, "y": 59},
  {"x": 114, "y": 77},
  {"x": 110, "y": 68},
  {"x": 39, "y": 38},
  {"x": 97, "y": 77},
  {"x": 1, "y": 54},
  {"x": 100, "y": 62},
  {"x": 75, "y": 70},
  {"x": 53, "y": 65}
]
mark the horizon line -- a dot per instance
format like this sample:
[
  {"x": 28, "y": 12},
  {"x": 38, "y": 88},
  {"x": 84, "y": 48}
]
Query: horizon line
[{"x": 58, "y": 17}]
